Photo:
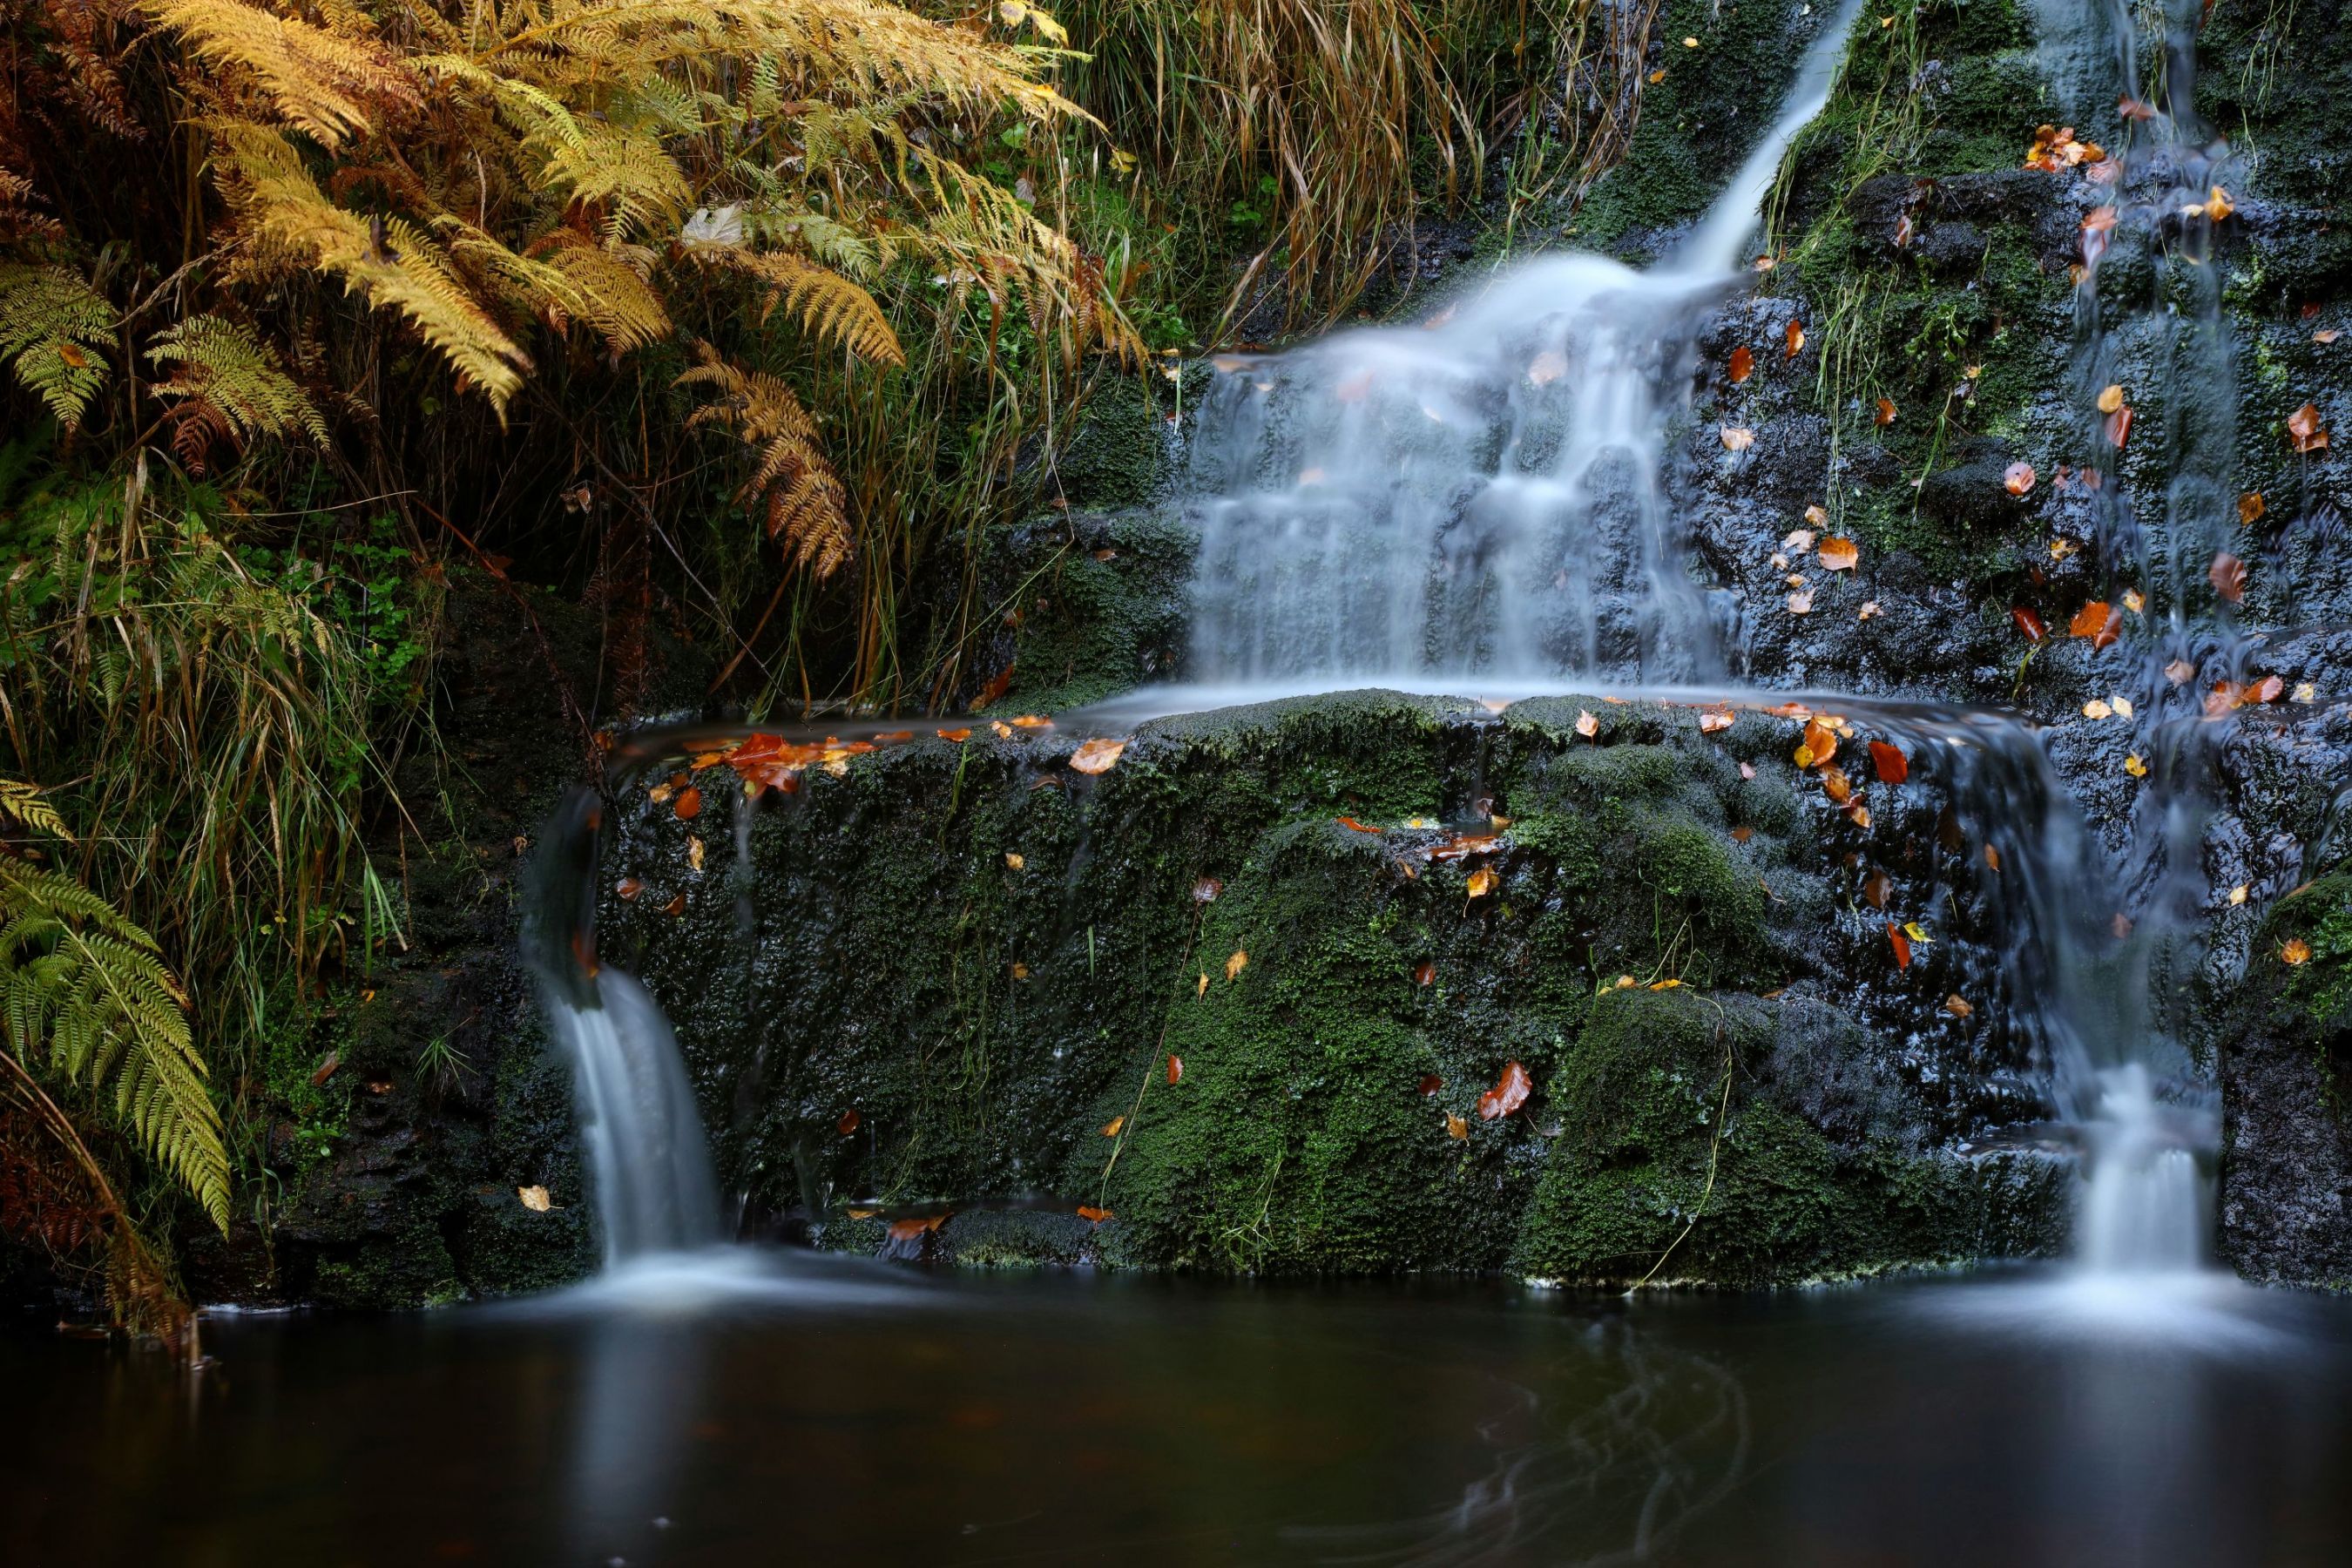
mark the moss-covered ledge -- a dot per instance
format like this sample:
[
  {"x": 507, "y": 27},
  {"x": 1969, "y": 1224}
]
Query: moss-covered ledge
[{"x": 954, "y": 976}]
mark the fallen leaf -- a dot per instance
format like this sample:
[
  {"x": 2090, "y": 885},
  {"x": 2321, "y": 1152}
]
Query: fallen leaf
[
  {"x": 1869, "y": 609},
  {"x": 2238, "y": 894},
  {"x": 1838, "y": 554},
  {"x": 1885, "y": 411},
  {"x": 1820, "y": 744},
  {"x": 2250, "y": 508},
  {"x": 2133, "y": 602},
  {"x": 1236, "y": 963},
  {"x": 1204, "y": 989},
  {"x": 2018, "y": 478},
  {"x": 1743, "y": 363},
  {"x": 694, "y": 852},
  {"x": 2131, "y": 108},
  {"x": 535, "y": 1199},
  {"x": 1801, "y": 602},
  {"x": 688, "y": 803},
  {"x": 1027, "y": 720},
  {"x": 1747, "y": 770},
  {"x": 1110, "y": 1128},
  {"x": 1877, "y": 888},
  {"x": 1206, "y": 889},
  {"x": 1003, "y": 730},
  {"x": 998, "y": 685},
  {"x": 1548, "y": 368},
  {"x": 2027, "y": 622},
  {"x": 1015, "y": 860},
  {"x": 1586, "y": 725},
  {"x": 1510, "y": 1093},
  {"x": 2305, "y": 691},
  {"x": 1090, "y": 1211},
  {"x": 2218, "y": 204},
  {"x": 2295, "y": 952},
  {"x": 1957, "y": 1005},
  {"x": 677, "y": 906},
  {"x": 1818, "y": 518},
  {"x": 1020, "y": 972},
  {"x": 1892, "y": 766},
  {"x": 849, "y": 1122},
  {"x": 1795, "y": 337},
  {"x": 2134, "y": 766},
  {"x": 1712, "y": 720},
  {"x": 629, "y": 888},
  {"x": 953, "y": 734},
  {"x": 1901, "y": 943},
  {"x": 2099, "y": 621},
  {"x": 1354, "y": 388},
  {"x": 1903, "y": 232},
  {"x": 1836, "y": 785},
  {"x": 2303, "y": 431},
  {"x": 1350, "y": 823},
  {"x": 1736, "y": 438},
  {"x": 2179, "y": 672},
  {"x": 1096, "y": 756},
  {"x": 2095, "y": 708},
  {"x": 2111, "y": 398},
  {"x": 1482, "y": 882},
  {"x": 1455, "y": 1127},
  {"x": 909, "y": 1229},
  {"x": 1991, "y": 857},
  {"x": 1175, "y": 1067},
  {"x": 1916, "y": 932},
  {"x": 2118, "y": 427},
  {"x": 2326, "y": 335},
  {"x": 1741, "y": 834},
  {"x": 2228, "y": 574},
  {"x": 2122, "y": 705},
  {"x": 1424, "y": 973}
]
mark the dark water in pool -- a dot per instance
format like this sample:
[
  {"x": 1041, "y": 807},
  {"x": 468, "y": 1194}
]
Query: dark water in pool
[{"x": 809, "y": 1411}]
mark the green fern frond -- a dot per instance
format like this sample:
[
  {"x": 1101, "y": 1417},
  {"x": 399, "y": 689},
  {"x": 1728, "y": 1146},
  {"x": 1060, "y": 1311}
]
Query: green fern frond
[
  {"x": 51, "y": 326},
  {"x": 24, "y": 802}
]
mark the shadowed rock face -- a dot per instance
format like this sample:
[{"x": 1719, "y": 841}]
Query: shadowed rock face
[{"x": 1675, "y": 953}]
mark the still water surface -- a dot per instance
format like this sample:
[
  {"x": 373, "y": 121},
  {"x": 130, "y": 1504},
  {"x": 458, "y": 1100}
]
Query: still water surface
[{"x": 806, "y": 1410}]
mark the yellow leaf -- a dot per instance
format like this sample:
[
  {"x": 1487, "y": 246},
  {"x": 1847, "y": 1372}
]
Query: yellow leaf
[
  {"x": 2111, "y": 398},
  {"x": 1203, "y": 991},
  {"x": 1455, "y": 1127},
  {"x": 1014, "y": 860},
  {"x": 1736, "y": 438},
  {"x": 2238, "y": 894},
  {"x": 1482, "y": 882},
  {"x": 1111, "y": 1128},
  {"x": 2134, "y": 766},
  {"x": 535, "y": 1199},
  {"x": 1236, "y": 963}
]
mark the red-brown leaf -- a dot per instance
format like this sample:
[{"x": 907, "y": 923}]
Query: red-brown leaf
[
  {"x": 2027, "y": 622},
  {"x": 2304, "y": 433},
  {"x": 688, "y": 803},
  {"x": 1510, "y": 1093},
  {"x": 1743, "y": 363},
  {"x": 1175, "y": 1067},
  {"x": 1892, "y": 766},
  {"x": 1431, "y": 1083},
  {"x": 2018, "y": 478},
  {"x": 1902, "y": 946},
  {"x": 2228, "y": 574},
  {"x": 849, "y": 1122}
]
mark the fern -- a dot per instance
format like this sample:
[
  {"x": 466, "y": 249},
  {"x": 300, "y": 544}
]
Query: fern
[
  {"x": 330, "y": 85},
  {"x": 830, "y": 306},
  {"x": 791, "y": 478},
  {"x": 51, "y": 327},
  {"x": 83, "y": 991},
  {"x": 229, "y": 383}
]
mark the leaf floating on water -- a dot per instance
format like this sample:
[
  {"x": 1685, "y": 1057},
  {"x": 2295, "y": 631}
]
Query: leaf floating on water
[
  {"x": 2295, "y": 952},
  {"x": 1455, "y": 1127},
  {"x": 2027, "y": 622},
  {"x": 1096, "y": 756},
  {"x": 1795, "y": 338},
  {"x": 2228, "y": 576},
  {"x": 1743, "y": 363},
  {"x": 1482, "y": 882},
  {"x": 2304, "y": 433},
  {"x": 849, "y": 1122},
  {"x": 1885, "y": 411},
  {"x": 1901, "y": 943},
  {"x": 2251, "y": 507},
  {"x": 1510, "y": 1093},
  {"x": 1737, "y": 438},
  {"x": 1236, "y": 963},
  {"x": 535, "y": 1199},
  {"x": 1097, "y": 1215},
  {"x": 1110, "y": 1128},
  {"x": 2018, "y": 478},
  {"x": 1892, "y": 766},
  {"x": 1958, "y": 1005},
  {"x": 1548, "y": 368},
  {"x": 1838, "y": 554},
  {"x": 1586, "y": 725},
  {"x": 1175, "y": 1067}
]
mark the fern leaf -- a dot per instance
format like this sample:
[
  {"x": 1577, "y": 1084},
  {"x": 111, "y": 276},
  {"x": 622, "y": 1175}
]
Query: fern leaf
[
  {"x": 828, "y": 305},
  {"x": 230, "y": 381},
  {"x": 24, "y": 802},
  {"x": 321, "y": 82},
  {"x": 52, "y": 325},
  {"x": 791, "y": 478}
]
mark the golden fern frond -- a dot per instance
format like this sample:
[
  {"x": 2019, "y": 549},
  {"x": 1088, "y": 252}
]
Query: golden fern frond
[
  {"x": 229, "y": 380},
  {"x": 804, "y": 499},
  {"x": 829, "y": 306},
  {"x": 396, "y": 266},
  {"x": 86, "y": 992},
  {"x": 51, "y": 326},
  {"x": 638, "y": 183},
  {"x": 575, "y": 279},
  {"x": 322, "y": 83},
  {"x": 24, "y": 802}
]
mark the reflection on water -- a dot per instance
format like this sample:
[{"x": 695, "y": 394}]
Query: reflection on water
[{"x": 733, "y": 1408}]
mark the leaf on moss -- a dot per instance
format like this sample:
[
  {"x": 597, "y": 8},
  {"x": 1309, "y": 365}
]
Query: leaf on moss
[
  {"x": 1510, "y": 1093},
  {"x": 1096, "y": 756}
]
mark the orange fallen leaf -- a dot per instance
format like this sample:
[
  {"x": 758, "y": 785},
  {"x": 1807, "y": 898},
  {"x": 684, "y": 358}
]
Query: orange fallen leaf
[
  {"x": 2134, "y": 766},
  {"x": 1795, "y": 338},
  {"x": 1175, "y": 1067},
  {"x": 1586, "y": 725},
  {"x": 1482, "y": 882},
  {"x": 2018, "y": 478},
  {"x": 849, "y": 1122},
  {"x": 2099, "y": 621},
  {"x": 2027, "y": 622},
  {"x": 1350, "y": 823},
  {"x": 2296, "y": 951},
  {"x": 1958, "y": 1005},
  {"x": 1902, "y": 946},
  {"x": 1424, "y": 973},
  {"x": 1838, "y": 554},
  {"x": 1743, "y": 363},
  {"x": 1090, "y": 1211},
  {"x": 1712, "y": 720},
  {"x": 1892, "y": 766},
  {"x": 688, "y": 803},
  {"x": 1885, "y": 411},
  {"x": 1455, "y": 1127},
  {"x": 1510, "y": 1093},
  {"x": 1096, "y": 756},
  {"x": 2228, "y": 576},
  {"x": 2251, "y": 507},
  {"x": 629, "y": 888},
  {"x": 2111, "y": 398},
  {"x": 953, "y": 734},
  {"x": 1836, "y": 785},
  {"x": 1028, "y": 721},
  {"x": 909, "y": 1229},
  {"x": 1820, "y": 744},
  {"x": 2304, "y": 433},
  {"x": 998, "y": 685},
  {"x": 1236, "y": 963},
  {"x": 1110, "y": 1128},
  {"x": 677, "y": 906},
  {"x": 1736, "y": 438},
  {"x": 1878, "y": 887},
  {"x": 2118, "y": 426},
  {"x": 1992, "y": 858}
]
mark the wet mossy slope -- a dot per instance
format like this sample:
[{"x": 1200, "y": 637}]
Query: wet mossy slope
[{"x": 1245, "y": 992}]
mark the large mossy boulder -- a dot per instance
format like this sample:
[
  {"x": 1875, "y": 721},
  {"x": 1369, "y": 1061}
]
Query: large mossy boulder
[{"x": 1245, "y": 991}]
